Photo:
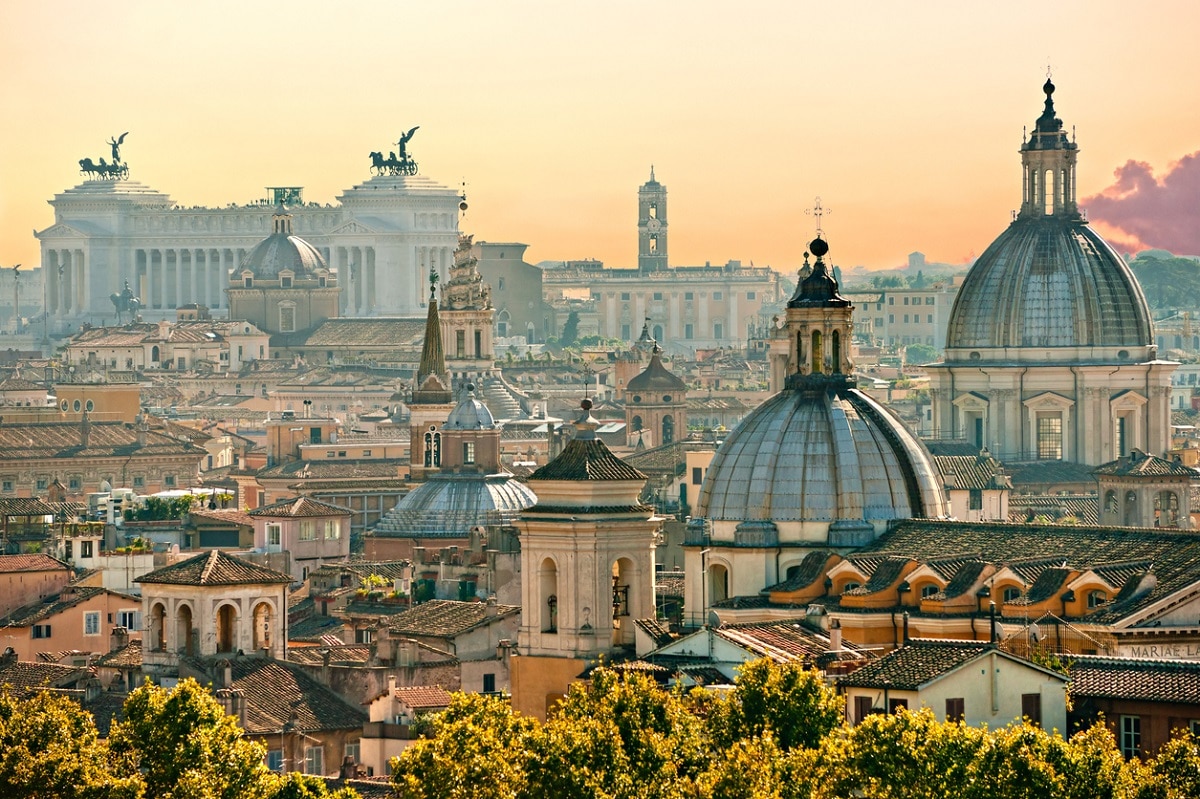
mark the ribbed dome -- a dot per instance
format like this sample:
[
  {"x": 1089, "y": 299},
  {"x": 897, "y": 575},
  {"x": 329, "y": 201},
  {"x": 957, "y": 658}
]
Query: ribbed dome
[
  {"x": 450, "y": 505},
  {"x": 281, "y": 252},
  {"x": 1049, "y": 282},
  {"x": 470, "y": 414},
  {"x": 812, "y": 455},
  {"x": 656, "y": 377}
]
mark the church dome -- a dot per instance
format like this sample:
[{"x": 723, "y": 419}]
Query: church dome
[
  {"x": 470, "y": 414},
  {"x": 283, "y": 252},
  {"x": 656, "y": 377},
  {"x": 449, "y": 505},
  {"x": 1049, "y": 281},
  {"x": 821, "y": 456}
]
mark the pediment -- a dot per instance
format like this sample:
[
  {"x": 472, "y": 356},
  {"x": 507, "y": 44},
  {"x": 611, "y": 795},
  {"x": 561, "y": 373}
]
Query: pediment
[
  {"x": 61, "y": 231},
  {"x": 1127, "y": 400},
  {"x": 1049, "y": 400},
  {"x": 353, "y": 227},
  {"x": 971, "y": 400}
]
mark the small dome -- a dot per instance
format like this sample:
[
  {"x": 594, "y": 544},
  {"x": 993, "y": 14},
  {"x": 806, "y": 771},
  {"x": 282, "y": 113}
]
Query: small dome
[
  {"x": 656, "y": 377},
  {"x": 816, "y": 456},
  {"x": 470, "y": 414},
  {"x": 281, "y": 252},
  {"x": 1049, "y": 282},
  {"x": 448, "y": 506}
]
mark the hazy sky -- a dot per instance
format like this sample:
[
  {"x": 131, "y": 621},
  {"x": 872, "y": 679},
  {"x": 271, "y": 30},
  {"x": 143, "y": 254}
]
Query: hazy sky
[{"x": 904, "y": 117}]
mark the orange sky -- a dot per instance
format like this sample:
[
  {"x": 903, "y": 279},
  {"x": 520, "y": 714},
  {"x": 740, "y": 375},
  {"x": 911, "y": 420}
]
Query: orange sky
[{"x": 904, "y": 117}]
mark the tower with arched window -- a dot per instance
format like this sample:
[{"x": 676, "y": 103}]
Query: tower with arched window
[
  {"x": 652, "y": 226},
  {"x": 1141, "y": 490},
  {"x": 432, "y": 397},
  {"x": 655, "y": 405},
  {"x": 209, "y": 605},
  {"x": 587, "y": 566}
]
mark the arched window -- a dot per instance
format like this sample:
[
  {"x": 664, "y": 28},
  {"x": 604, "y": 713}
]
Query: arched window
[
  {"x": 718, "y": 583},
  {"x": 1130, "y": 517},
  {"x": 668, "y": 430},
  {"x": 1111, "y": 506},
  {"x": 658, "y": 333},
  {"x": 636, "y": 423},
  {"x": 1011, "y": 594},
  {"x": 185, "y": 639},
  {"x": 816, "y": 352},
  {"x": 1166, "y": 509},
  {"x": 799, "y": 351},
  {"x": 835, "y": 341},
  {"x": 548, "y": 580},
  {"x": 154, "y": 353},
  {"x": 262, "y": 626},
  {"x": 158, "y": 628},
  {"x": 433, "y": 449},
  {"x": 226, "y": 628},
  {"x": 1096, "y": 598}
]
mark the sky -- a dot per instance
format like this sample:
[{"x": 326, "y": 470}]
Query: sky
[{"x": 905, "y": 118}]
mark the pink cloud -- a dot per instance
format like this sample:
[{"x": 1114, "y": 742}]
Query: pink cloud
[{"x": 1147, "y": 213}]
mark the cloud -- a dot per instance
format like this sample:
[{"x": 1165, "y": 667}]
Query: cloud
[{"x": 1147, "y": 213}]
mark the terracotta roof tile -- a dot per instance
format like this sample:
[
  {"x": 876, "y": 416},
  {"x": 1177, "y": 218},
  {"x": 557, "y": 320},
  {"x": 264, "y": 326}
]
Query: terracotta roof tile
[
  {"x": 36, "y": 612},
  {"x": 1139, "y": 464},
  {"x": 300, "y": 507},
  {"x": 917, "y": 663},
  {"x": 444, "y": 618},
  {"x": 27, "y": 678},
  {"x": 30, "y": 563},
  {"x": 587, "y": 460},
  {"x": 127, "y": 657},
  {"x": 24, "y": 506},
  {"x": 275, "y": 690},
  {"x": 424, "y": 697},
  {"x": 215, "y": 568},
  {"x": 1126, "y": 678},
  {"x": 231, "y": 515}
]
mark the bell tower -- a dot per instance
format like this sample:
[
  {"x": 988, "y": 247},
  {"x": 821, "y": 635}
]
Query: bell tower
[
  {"x": 652, "y": 226},
  {"x": 1048, "y": 166}
]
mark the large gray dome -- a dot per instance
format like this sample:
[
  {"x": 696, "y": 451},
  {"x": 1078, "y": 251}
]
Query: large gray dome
[
  {"x": 281, "y": 252},
  {"x": 1049, "y": 282},
  {"x": 812, "y": 455},
  {"x": 448, "y": 506}
]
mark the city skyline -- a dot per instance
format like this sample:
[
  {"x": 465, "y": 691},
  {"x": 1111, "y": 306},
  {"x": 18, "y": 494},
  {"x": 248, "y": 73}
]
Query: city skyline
[{"x": 905, "y": 123}]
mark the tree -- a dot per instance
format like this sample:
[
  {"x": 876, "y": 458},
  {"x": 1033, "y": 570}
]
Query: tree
[
  {"x": 186, "y": 747},
  {"x": 301, "y": 786},
  {"x": 478, "y": 750},
  {"x": 1175, "y": 772},
  {"x": 787, "y": 700},
  {"x": 920, "y": 353},
  {"x": 570, "y": 330},
  {"x": 49, "y": 749}
]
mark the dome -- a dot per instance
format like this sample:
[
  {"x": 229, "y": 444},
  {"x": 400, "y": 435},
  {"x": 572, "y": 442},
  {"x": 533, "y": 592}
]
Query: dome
[
  {"x": 448, "y": 506},
  {"x": 470, "y": 414},
  {"x": 1049, "y": 282},
  {"x": 656, "y": 377},
  {"x": 817, "y": 456},
  {"x": 281, "y": 251}
]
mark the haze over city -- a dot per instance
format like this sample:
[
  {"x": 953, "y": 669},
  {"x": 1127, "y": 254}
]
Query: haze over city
[{"x": 905, "y": 119}]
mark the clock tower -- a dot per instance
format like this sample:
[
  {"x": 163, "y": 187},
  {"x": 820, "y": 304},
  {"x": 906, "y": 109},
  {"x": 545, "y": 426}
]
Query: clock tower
[{"x": 652, "y": 226}]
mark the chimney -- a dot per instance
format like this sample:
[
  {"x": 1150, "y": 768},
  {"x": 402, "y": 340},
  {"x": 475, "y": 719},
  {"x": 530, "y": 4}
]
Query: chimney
[
  {"x": 226, "y": 674},
  {"x": 326, "y": 656},
  {"x": 391, "y": 685},
  {"x": 349, "y": 769},
  {"x": 492, "y": 607},
  {"x": 9, "y": 657},
  {"x": 835, "y": 636},
  {"x": 906, "y": 628},
  {"x": 118, "y": 639}
]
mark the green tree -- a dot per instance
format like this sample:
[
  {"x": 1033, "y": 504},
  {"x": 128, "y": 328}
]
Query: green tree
[
  {"x": 478, "y": 750},
  {"x": 570, "y": 330},
  {"x": 300, "y": 786},
  {"x": 920, "y": 353},
  {"x": 1175, "y": 772},
  {"x": 755, "y": 768},
  {"x": 186, "y": 747},
  {"x": 49, "y": 750},
  {"x": 618, "y": 737},
  {"x": 790, "y": 701}
]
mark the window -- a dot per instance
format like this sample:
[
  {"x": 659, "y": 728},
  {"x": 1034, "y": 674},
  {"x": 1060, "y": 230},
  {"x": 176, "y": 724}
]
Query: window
[
  {"x": 500, "y": 284},
  {"x": 275, "y": 760},
  {"x": 1049, "y": 436},
  {"x": 976, "y": 499},
  {"x": 850, "y": 586},
  {"x": 129, "y": 619},
  {"x": 625, "y": 332},
  {"x": 169, "y": 481},
  {"x": 689, "y": 332},
  {"x": 625, "y": 295},
  {"x": 489, "y": 683},
  {"x": 247, "y": 282},
  {"x": 307, "y": 530},
  {"x": 718, "y": 330},
  {"x": 139, "y": 482},
  {"x": 468, "y": 452},
  {"x": 41, "y": 631},
  {"x": 287, "y": 319},
  {"x": 91, "y": 623},
  {"x": 750, "y": 295},
  {"x": 897, "y": 704},
  {"x": 906, "y": 319},
  {"x": 460, "y": 343},
  {"x": 8, "y": 486},
  {"x": 285, "y": 281},
  {"x": 86, "y": 549},
  {"x": 928, "y": 591},
  {"x": 352, "y": 751},
  {"x": 314, "y": 435},
  {"x": 929, "y": 318},
  {"x": 906, "y": 300},
  {"x": 333, "y": 529},
  {"x": 1012, "y": 594},
  {"x": 653, "y": 242},
  {"x": 1131, "y": 735},
  {"x": 955, "y": 709},
  {"x": 658, "y": 295},
  {"x": 689, "y": 295},
  {"x": 891, "y": 319},
  {"x": 75, "y": 483},
  {"x": 366, "y": 453},
  {"x": 274, "y": 535},
  {"x": 717, "y": 295},
  {"x": 314, "y": 760},
  {"x": 863, "y": 707},
  {"x": 42, "y": 484},
  {"x": 1031, "y": 708},
  {"x": 891, "y": 300},
  {"x": 697, "y": 475},
  {"x": 1096, "y": 598}
]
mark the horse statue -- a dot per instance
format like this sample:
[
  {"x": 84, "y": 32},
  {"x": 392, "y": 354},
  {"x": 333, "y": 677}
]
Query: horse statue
[
  {"x": 378, "y": 165},
  {"x": 126, "y": 302}
]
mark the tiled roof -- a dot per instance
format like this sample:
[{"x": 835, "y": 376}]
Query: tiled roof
[
  {"x": 314, "y": 628},
  {"x": 915, "y": 664},
  {"x": 669, "y": 584},
  {"x": 424, "y": 697},
  {"x": 30, "y": 563},
  {"x": 106, "y": 708},
  {"x": 656, "y": 377},
  {"x": 127, "y": 657},
  {"x": 970, "y": 472},
  {"x": 215, "y": 568},
  {"x": 884, "y": 575},
  {"x": 1127, "y": 678},
  {"x": 782, "y": 641},
  {"x": 654, "y": 628},
  {"x": 587, "y": 460},
  {"x": 36, "y": 612},
  {"x": 445, "y": 618},
  {"x": 371, "y": 333},
  {"x": 1139, "y": 464},
  {"x": 811, "y": 568},
  {"x": 275, "y": 691},
  {"x": 1083, "y": 507},
  {"x": 668, "y": 458},
  {"x": 27, "y": 678},
  {"x": 36, "y": 440},
  {"x": 1050, "y": 473},
  {"x": 1030, "y": 548},
  {"x": 301, "y": 507},
  {"x": 341, "y": 654},
  {"x": 333, "y": 470},
  {"x": 966, "y": 576},
  {"x": 230, "y": 515},
  {"x": 20, "y": 384},
  {"x": 24, "y": 506}
]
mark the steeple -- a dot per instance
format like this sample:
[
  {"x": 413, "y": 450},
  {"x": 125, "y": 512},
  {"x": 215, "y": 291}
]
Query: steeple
[
  {"x": 281, "y": 220},
  {"x": 819, "y": 326},
  {"x": 432, "y": 385},
  {"x": 652, "y": 225},
  {"x": 1048, "y": 164}
]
